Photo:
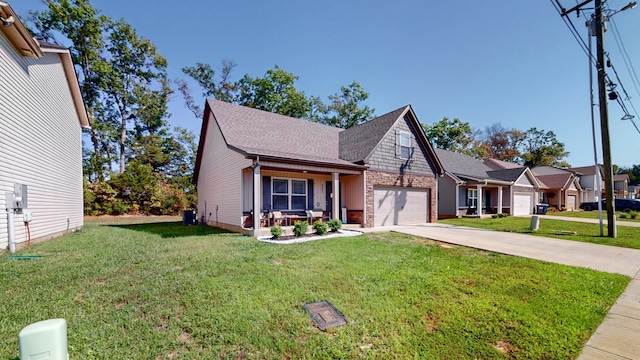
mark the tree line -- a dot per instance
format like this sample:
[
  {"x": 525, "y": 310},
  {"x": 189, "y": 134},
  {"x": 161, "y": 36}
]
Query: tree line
[{"x": 135, "y": 162}]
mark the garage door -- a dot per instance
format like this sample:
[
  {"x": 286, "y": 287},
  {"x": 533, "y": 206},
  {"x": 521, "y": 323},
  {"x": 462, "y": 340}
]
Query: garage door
[
  {"x": 400, "y": 206},
  {"x": 571, "y": 203},
  {"x": 521, "y": 204}
]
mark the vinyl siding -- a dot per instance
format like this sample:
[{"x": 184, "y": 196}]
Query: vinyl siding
[
  {"x": 40, "y": 144},
  {"x": 383, "y": 157},
  {"x": 447, "y": 196},
  {"x": 524, "y": 181},
  {"x": 220, "y": 181},
  {"x": 353, "y": 192}
]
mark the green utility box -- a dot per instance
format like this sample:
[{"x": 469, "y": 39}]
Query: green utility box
[{"x": 44, "y": 340}]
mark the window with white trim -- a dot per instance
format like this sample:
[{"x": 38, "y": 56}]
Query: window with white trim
[
  {"x": 472, "y": 198},
  {"x": 405, "y": 145},
  {"x": 289, "y": 194}
]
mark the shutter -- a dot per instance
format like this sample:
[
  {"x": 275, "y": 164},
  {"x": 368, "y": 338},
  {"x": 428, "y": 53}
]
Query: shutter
[
  {"x": 310, "y": 194},
  {"x": 266, "y": 193},
  {"x": 397, "y": 144}
]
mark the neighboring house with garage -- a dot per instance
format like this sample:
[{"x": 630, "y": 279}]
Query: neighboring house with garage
[
  {"x": 473, "y": 188},
  {"x": 560, "y": 188},
  {"x": 41, "y": 120},
  {"x": 257, "y": 167}
]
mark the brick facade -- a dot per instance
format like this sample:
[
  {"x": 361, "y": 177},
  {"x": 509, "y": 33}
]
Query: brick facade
[{"x": 383, "y": 178}]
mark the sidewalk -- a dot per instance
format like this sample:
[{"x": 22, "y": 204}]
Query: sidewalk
[
  {"x": 618, "y": 337},
  {"x": 590, "y": 221}
]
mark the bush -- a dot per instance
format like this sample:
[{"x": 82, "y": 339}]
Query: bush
[
  {"x": 321, "y": 227},
  {"x": 335, "y": 225},
  {"x": 633, "y": 214},
  {"x": 300, "y": 228},
  {"x": 276, "y": 231},
  {"x": 623, "y": 215}
]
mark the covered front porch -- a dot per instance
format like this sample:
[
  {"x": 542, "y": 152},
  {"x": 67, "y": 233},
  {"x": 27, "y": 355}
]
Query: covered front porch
[
  {"x": 478, "y": 199},
  {"x": 277, "y": 193}
]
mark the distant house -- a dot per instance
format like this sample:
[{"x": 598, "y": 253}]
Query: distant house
[
  {"x": 559, "y": 188},
  {"x": 256, "y": 168},
  {"x": 471, "y": 187},
  {"x": 588, "y": 176},
  {"x": 621, "y": 186},
  {"x": 41, "y": 119}
]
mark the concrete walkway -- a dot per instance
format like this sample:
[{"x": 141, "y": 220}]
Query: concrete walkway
[
  {"x": 590, "y": 221},
  {"x": 618, "y": 337}
]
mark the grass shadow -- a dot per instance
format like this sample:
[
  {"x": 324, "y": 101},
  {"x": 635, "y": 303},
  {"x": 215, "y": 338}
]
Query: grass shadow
[{"x": 175, "y": 229}]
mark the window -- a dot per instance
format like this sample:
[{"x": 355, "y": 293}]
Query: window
[
  {"x": 540, "y": 197},
  {"x": 405, "y": 146},
  {"x": 289, "y": 194},
  {"x": 472, "y": 198}
]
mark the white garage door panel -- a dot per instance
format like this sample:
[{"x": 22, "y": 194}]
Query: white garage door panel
[
  {"x": 400, "y": 206},
  {"x": 521, "y": 204},
  {"x": 571, "y": 202}
]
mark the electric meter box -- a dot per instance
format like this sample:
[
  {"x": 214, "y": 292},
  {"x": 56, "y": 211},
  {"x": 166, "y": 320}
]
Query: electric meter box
[{"x": 44, "y": 340}]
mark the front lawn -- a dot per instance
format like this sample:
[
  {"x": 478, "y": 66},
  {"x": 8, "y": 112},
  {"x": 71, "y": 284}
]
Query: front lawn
[
  {"x": 162, "y": 291},
  {"x": 628, "y": 237}
]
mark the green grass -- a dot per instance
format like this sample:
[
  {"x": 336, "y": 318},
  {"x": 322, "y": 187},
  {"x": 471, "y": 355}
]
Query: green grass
[
  {"x": 590, "y": 215},
  {"x": 161, "y": 291},
  {"x": 628, "y": 237}
]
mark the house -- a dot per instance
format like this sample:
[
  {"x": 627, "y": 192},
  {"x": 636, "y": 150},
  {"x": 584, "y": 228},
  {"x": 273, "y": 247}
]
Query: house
[
  {"x": 500, "y": 188},
  {"x": 257, "y": 167},
  {"x": 559, "y": 188},
  {"x": 591, "y": 181},
  {"x": 41, "y": 120},
  {"x": 621, "y": 186}
]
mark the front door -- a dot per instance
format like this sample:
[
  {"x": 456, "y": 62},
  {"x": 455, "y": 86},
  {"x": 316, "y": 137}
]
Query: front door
[
  {"x": 487, "y": 201},
  {"x": 328, "y": 186}
]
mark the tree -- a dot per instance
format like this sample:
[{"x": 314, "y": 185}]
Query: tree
[
  {"x": 275, "y": 92},
  {"x": 500, "y": 143},
  {"x": 453, "y": 135},
  {"x": 542, "y": 148},
  {"x": 345, "y": 109}
]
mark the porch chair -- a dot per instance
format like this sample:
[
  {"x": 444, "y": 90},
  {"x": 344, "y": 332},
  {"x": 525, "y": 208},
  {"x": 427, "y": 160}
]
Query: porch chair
[{"x": 277, "y": 215}]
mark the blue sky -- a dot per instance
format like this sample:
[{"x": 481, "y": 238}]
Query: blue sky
[{"x": 512, "y": 62}]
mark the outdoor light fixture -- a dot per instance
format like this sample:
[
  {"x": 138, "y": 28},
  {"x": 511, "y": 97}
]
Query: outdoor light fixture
[{"x": 8, "y": 21}]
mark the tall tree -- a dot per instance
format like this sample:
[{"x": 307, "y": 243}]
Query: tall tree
[
  {"x": 453, "y": 135},
  {"x": 135, "y": 67},
  {"x": 275, "y": 92},
  {"x": 542, "y": 148},
  {"x": 345, "y": 108},
  {"x": 500, "y": 143}
]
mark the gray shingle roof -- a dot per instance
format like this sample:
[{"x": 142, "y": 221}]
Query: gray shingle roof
[
  {"x": 461, "y": 164},
  {"x": 264, "y": 133},
  {"x": 357, "y": 142},
  {"x": 464, "y": 166}
]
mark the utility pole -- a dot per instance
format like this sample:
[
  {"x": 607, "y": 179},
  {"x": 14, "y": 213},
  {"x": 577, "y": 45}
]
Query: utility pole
[
  {"x": 599, "y": 20},
  {"x": 604, "y": 121}
]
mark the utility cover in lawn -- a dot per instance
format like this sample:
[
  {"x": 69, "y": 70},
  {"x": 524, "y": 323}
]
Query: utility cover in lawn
[{"x": 325, "y": 315}]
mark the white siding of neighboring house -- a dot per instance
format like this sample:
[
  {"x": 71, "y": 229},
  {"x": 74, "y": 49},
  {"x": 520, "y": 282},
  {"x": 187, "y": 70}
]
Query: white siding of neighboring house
[
  {"x": 40, "y": 144},
  {"x": 220, "y": 180}
]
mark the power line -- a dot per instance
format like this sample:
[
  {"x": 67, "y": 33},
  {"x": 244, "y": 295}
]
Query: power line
[{"x": 625, "y": 56}]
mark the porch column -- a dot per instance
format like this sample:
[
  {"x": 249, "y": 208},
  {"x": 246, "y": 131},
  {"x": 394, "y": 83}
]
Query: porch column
[
  {"x": 499, "y": 199},
  {"x": 479, "y": 199},
  {"x": 257, "y": 194},
  {"x": 559, "y": 200},
  {"x": 335, "y": 200}
]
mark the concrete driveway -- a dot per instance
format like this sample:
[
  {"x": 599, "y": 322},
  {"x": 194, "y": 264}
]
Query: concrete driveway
[{"x": 618, "y": 337}]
